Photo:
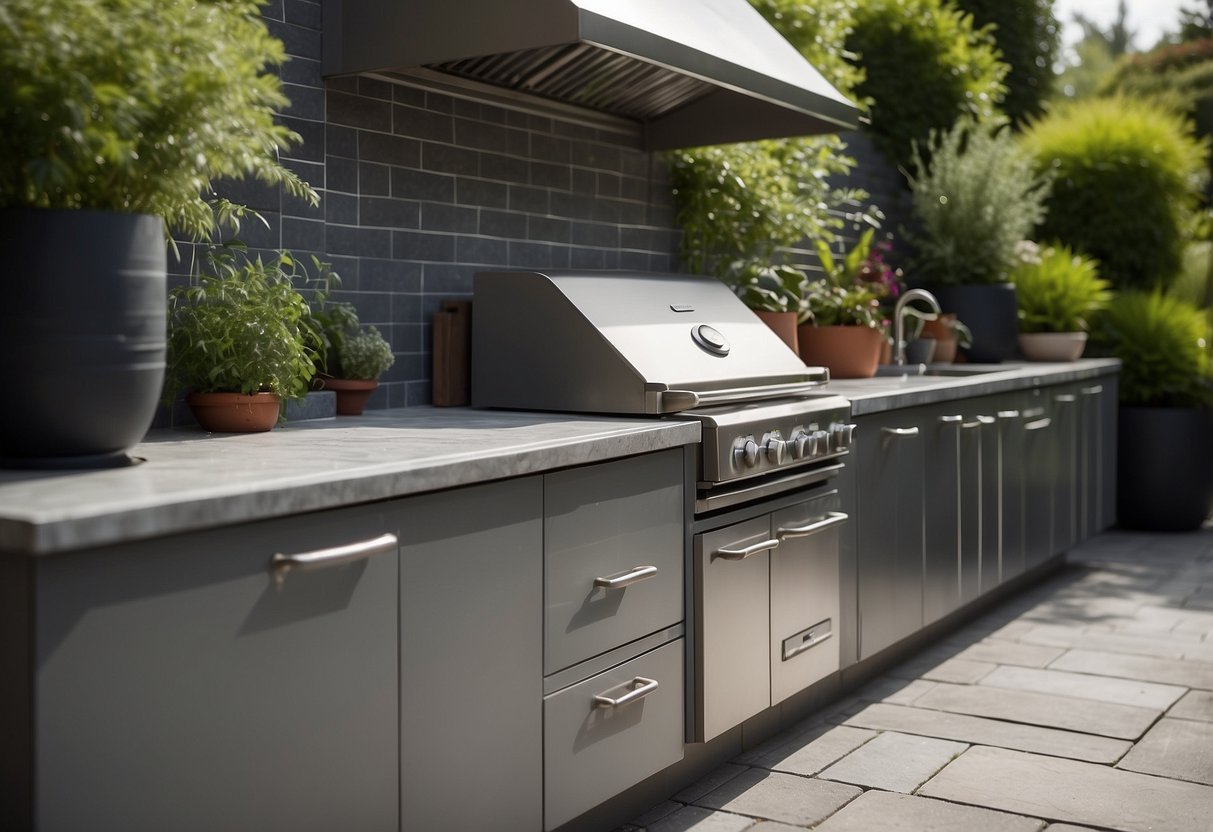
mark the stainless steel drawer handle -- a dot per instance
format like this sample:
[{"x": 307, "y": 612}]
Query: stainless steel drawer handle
[
  {"x": 333, "y": 556},
  {"x": 951, "y": 420},
  {"x": 748, "y": 551},
  {"x": 1065, "y": 398},
  {"x": 978, "y": 422},
  {"x": 1094, "y": 390},
  {"x": 899, "y": 431},
  {"x": 1008, "y": 414},
  {"x": 1038, "y": 424},
  {"x": 634, "y": 575},
  {"x": 642, "y": 687},
  {"x": 832, "y": 518}
]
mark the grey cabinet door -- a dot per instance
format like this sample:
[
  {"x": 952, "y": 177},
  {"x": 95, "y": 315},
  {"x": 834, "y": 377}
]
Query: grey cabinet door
[
  {"x": 1039, "y": 454},
  {"x": 947, "y": 451},
  {"x": 1091, "y": 461},
  {"x": 471, "y": 662},
  {"x": 1012, "y": 469},
  {"x": 180, "y": 686},
  {"x": 888, "y": 458},
  {"x": 1066, "y": 453},
  {"x": 989, "y": 533}
]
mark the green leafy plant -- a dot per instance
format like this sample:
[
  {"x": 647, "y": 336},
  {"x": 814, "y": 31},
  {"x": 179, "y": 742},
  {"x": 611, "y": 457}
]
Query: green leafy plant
[
  {"x": 925, "y": 65},
  {"x": 241, "y": 326},
  {"x": 366, "y": 354},
  {"x": 1161, "y": 342},
  {"x": 1028, "y": 38},
  {"x": 1128, "y": 175},
  {"x": 854, "y": 305},
  {"x": 1057, "y": 289},
  {"x": 864, "y": 265},
  {"x": 769, "y": 288},
  {"x": 974, "y": 200},
  {"x": 139, "y": 106}
]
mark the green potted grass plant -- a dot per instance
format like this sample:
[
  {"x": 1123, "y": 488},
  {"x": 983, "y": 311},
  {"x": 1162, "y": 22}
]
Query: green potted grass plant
[
  {"x": 1164, "y": 475},
  {"x": 1058, "y": 291},
  {"x": 242, "y": 340},
  {"x": 355, "y": 356},
  {"x": 118, "y": 117}
]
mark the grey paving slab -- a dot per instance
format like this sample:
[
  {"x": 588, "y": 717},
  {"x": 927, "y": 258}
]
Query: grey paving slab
[
  {"x": 1066, "y": 790},
  {"x": 811, "y": 756},
  {"x": 1085, "y": 686},
  {"x": 690, "y": 818},
  {"x": 1112, "y": 643},
  {"x": 996, "y": 651},
  {"x": 1146, "y": 668},
  {"x": 1176, "y": 748},
  {"x": 773, "y": 826},
  {"x": 902, "y": 813},
  {"x": 1067, "y": 827},
  {"x": 714, "y": 780},
  {"x": 896, "y": 691},
  {"x": 894, "y": 762},
  {"x": 1047, "y": 710},
  {"x": 974, "y": 729},
  {"x": 662, "y": 810},
  {"x": 960, "y": 671},
  {"x": 1196, "y": 704},
  {"x": 780, "y": 797}
]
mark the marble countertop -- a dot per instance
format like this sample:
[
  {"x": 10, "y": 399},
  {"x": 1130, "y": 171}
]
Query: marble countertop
[
  {"x": 875, "y": 395},
  {"x": 189, "y": 479}
]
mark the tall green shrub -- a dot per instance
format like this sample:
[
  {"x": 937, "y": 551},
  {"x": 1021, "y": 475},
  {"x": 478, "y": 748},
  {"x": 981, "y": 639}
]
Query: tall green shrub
[
  {"x": 1128, "y": 174},
  {"x": 975, "y": 198},
  {"x": 925, "y": 66},
  {"x": 1027, "y": 34}
]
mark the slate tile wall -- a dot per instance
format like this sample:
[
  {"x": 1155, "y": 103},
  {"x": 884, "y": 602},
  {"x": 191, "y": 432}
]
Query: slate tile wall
[{"x": 420, "y": 189}]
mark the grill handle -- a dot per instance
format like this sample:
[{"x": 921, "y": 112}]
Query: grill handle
[
  {"x": 747, "y": 551},
  {"x": 832, "y": 518},
  {"x": 632, "y": 576}
]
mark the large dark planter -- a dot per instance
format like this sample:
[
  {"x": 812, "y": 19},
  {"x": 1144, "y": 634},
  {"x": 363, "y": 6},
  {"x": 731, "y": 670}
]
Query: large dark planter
[
  {"x": 82, "y": 332},
  {"x": 1165, "y": 468},
  {"x": 991, "y": 314}
]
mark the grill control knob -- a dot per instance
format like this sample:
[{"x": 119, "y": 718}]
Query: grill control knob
[
  {"x": 841, "y": 436},
  {"x": 819, "y": 443},
  {"x": 746, "y": 454},
  {"x": 775, "y": 448},
  {"x": 798, "y": 445}
]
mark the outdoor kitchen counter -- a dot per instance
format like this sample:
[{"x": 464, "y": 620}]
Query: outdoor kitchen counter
[
  {"x": 874, "y": 395},
  {"x": 192, "y": 480}
]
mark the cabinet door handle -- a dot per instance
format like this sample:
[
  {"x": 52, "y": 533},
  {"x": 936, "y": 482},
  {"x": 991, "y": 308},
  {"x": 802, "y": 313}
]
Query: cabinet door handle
[
  {"x": 634, "y": 575},
  {"x": 332, "y": 556},
  {"x": 951, "y": 420},
  {"x": 1094, "y": 390},
  {"x": 978, "y": 422},
  {"x": 1064, "y": 398},
  {"x": 832, "y": 518},
  {"x": 747, "y": 551},
  {"x": 643, "y": 687},
  {"x": 1008, "y": 414},
  {"x": 899, "y": 431},
  {"x": 1038, "y": 424}
]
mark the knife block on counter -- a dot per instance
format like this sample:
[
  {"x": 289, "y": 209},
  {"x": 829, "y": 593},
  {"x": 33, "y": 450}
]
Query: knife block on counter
[{"x": 452, "y": 385}]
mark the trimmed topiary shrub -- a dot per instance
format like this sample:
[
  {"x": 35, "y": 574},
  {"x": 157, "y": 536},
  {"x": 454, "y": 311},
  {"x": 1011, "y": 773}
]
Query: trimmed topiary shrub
[
  {"x": 1027, "y": 34},
  {"x": 1127, "y": 176},
  {"x": 925, "y": 66}
]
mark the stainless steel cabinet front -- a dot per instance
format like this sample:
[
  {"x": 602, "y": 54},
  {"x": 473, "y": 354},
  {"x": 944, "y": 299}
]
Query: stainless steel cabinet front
[
  {"x": 611, "y": 731},
  {"x": 613, "y": 562}
]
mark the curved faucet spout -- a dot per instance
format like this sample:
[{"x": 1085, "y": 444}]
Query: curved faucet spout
[{"x": 899, "y": 320}]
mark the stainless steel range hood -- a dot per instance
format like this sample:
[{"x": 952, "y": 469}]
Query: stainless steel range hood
[{"x": 691, "y": 71}]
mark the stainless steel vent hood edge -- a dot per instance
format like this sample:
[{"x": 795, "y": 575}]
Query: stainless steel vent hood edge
[{"x": 691, "y": 71}]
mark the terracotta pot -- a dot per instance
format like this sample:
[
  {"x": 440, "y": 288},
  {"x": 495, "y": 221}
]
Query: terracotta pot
[
  {"x": 352, "y": 393},
  {"x": 848, "y": 351},
  {"x": 235, "y": 412},
  {"x": 782, "y": 324},
  {"x": 1052, "y": 346},
  {"x": 945, "y": 342}
]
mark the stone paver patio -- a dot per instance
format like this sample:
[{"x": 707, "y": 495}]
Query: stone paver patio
[{"x": 1085, "y": 702}]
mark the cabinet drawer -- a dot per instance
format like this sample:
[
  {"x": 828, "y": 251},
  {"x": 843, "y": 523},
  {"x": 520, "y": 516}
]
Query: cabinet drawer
[
  {"x": 620, "y": 520},
  {"x": 592, "y": 751}
]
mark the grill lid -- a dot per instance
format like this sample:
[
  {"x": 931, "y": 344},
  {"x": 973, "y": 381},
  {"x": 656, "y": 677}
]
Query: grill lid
[
  {"x": 618, "y": 342},
  {"x": 692, "y": 71}
]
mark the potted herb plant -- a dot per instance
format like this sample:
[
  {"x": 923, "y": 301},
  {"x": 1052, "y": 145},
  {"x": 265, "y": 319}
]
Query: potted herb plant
[
  {"x": 1165, "y": 434},
  {"x": 1057, "y": 291},
  {"x": 354, "y": 356},
  {"x": 775, "y": 293},
  {"x": 241, "y": 341},
  {"x": 117, "y": 119},
  {"x": 975, "y": 196}
]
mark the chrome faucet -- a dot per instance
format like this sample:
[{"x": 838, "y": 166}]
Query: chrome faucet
[{"x": 899, "y": 320}]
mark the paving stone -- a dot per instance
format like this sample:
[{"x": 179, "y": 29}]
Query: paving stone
[
  {"x": 896, "y": 691},
  {"x": 894, "y": 762},
  {"x": 1174, "y": 748},
  {"x": 1065, "y": 712},
  {"x": 714, "y": 780},
  {"x": 773, "y": 826},
  {"x": 1066, "y": 790},
  {"x": 662, "y": 810},
  {"x": 1010, "y": 652},
  {"x": 960, "y": 671},
  {"x": 1085, "y": 686},
  {"x": 782, "y": 797},
  {"x": 904, "y": 813},
  {"x": 1196, "y": 704},
  {"x": 1067, "y": 827},
  {"x": 807, "y": 758},
  {"x": 1111, "y": 643},
  {"x": 974, "y": 729},
  {"x": 694, "y": 818},
  {"x": 1146, "y": 668}
]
